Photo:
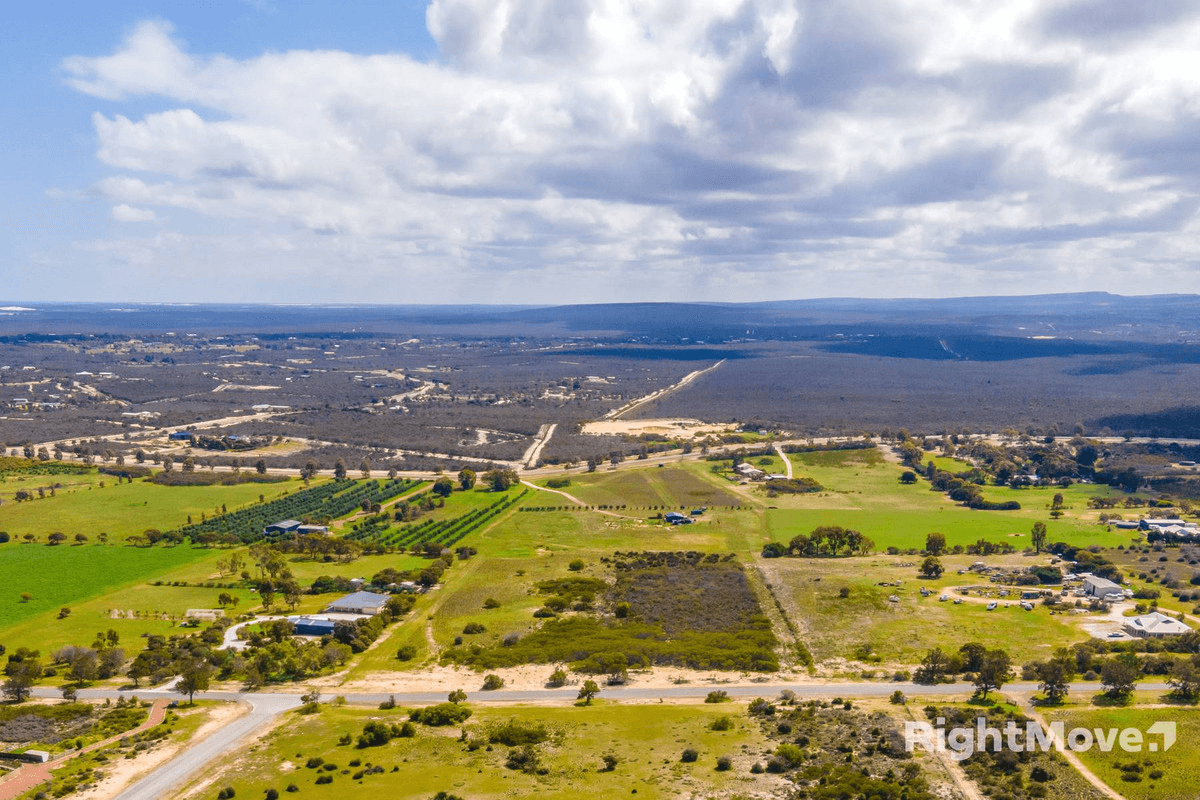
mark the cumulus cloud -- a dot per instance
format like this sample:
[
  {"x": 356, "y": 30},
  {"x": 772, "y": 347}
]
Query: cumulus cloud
[
  {"x": 127, "y": 213},
  {"x": 717, "y": 148}
]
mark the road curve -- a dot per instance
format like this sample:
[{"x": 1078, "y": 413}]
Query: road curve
[{"x": 159, "y": 783}]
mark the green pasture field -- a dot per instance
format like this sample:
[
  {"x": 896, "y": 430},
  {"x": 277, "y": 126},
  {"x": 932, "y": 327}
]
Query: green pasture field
[
  {"x": 862, "y": 491},
  {"x": 647, "y": 740},
  {"x": 901, "y": 633},
  {"x": 1177, "y": 765},
  {"x": 64, "y": 575},
  {"x": 675, "y": 486},
  {"x": 949, "y": 464},
  {"x": 120, "y": 510}
]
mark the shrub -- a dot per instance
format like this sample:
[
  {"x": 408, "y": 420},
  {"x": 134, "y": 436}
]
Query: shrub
[
  {"x": 314, "y": 762},
  {"x": 898, "y": 698},
  {"x": 722, "y": 724},
  {"x": 492, "y": 682},
  {"x": 557, "y": 678},
  {"x": 226, "y": 793},
  {"x": 610, "y": 762},
  {"x": 724, "y": 763},
  {"x": 760, "y": 707},
  {"x": 323, "y": 779},
  {"x": 491, "y": 602},
  {"x": 272, "y": 794},
  {"x": 441, "y": 714},
  {"x": 524, "y": 759},
  {"x": 474, "y": 627},
  {"x": 717, "y": 696},
  {"x": 515, "y": 733},
  {"x": 576, "y": 566},
  {"x": 406, "y": 653},
  {"x": 375, "y": 734},
  {"x": 689, "y": 755},
  {"x": 291, "y": 787}
]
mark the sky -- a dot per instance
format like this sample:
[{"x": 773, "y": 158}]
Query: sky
[{"x": 575, "y": 151}]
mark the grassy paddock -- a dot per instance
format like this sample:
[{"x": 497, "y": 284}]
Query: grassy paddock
[
  {"x": 647, "y": 741},
  {"x": 1177, "y": 765},
  {"x": 121, "y": 510},
  {"x": 903, "y": 632}
]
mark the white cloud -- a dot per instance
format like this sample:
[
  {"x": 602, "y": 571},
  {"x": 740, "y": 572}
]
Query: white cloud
[
  {"x": 124, "y": 212},
  {"x": 675, "y": 145}
]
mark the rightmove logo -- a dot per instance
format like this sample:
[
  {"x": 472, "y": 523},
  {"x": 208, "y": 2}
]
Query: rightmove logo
[{"x": 962, "y": 742}]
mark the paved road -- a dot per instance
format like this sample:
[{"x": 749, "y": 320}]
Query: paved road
[{"x": 263, "y": 709}]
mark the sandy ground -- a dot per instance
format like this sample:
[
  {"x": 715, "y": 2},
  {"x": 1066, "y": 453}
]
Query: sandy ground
[
  {"x": 524, "y": 678},
  {"x": 122, "y": 772},
  {"x": 667, "y": 426},
  {"x": 203, "y": 787}
]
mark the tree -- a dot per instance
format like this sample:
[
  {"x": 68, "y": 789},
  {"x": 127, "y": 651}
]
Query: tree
[
  {"x": 1119, "y": 676},
  {"x": 558, "y": 678},
  {"x": 309, "y": 470},
  {"x": 195, "y": 677},
  {"x": 466, "y": 479},
  {"x": 364, "y": 467},
  {"x": 339, "y": 470},
  {"x": 933, "y": 667},
  {"x": 442, "y": 487},
  {"x": 260, "y": 467},
  {"x": 931, "y": 567},
  {"x": 995, "y": 670},
  {"x": 84, "y": 665},
  {"x": 501, "y": 479},
  {"x": 588, "y": 691},
  {"x": 908, "y": 477},
  {"x": 458, "y": 696},
  {"x": 1185, "y": 680},
  {"x": 972, "y": 655},
  {"x": 935, "y": 543},
  {"x": 492, "y": 682},
  {"x": 58, "y": 537},
  {"x": 1055, "y": 678},
  {"x": 22, "y": 675},
  {"x": 1038, "y": 535}
]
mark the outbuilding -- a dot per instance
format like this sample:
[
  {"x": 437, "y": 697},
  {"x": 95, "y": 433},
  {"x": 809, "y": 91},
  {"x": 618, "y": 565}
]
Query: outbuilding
[{"x": 358, "y": 603}]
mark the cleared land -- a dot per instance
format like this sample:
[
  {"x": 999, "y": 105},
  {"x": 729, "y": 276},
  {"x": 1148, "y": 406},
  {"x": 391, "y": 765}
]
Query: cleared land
[
  {"x": 646, "y": 740},
  {"x": 1158, "y": 775}
]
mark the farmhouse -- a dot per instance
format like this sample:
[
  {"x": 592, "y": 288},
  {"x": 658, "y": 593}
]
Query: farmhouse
[
  {"x": 358, "y": 603},
  {"x": 1101, "y": 588},
  {"x": 1154, "y": 626},
  {"x": 749, "y": 471}
]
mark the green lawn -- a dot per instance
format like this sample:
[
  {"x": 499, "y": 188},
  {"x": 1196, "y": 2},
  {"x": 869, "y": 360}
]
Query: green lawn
[{"x": 647, "y": 741}]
